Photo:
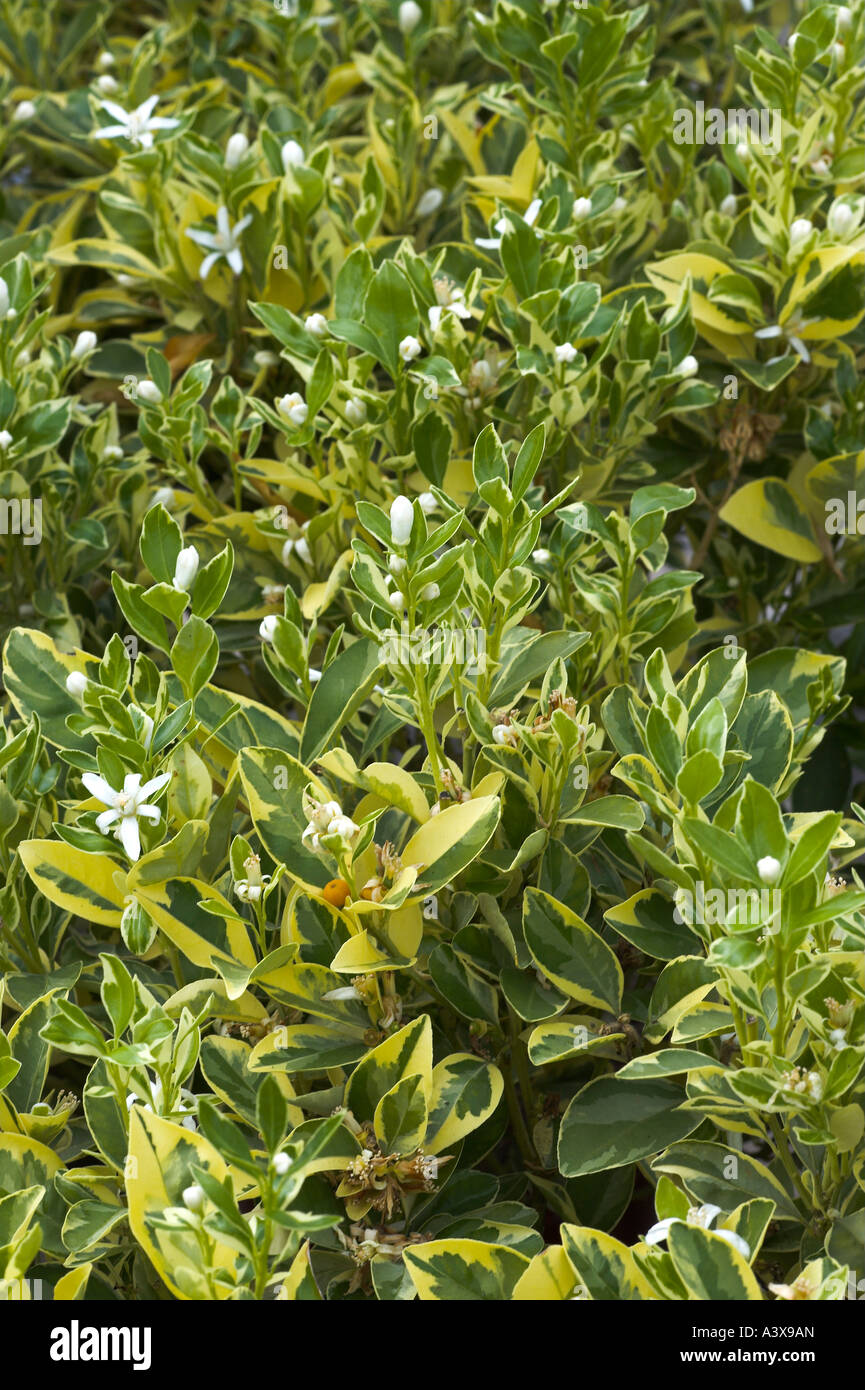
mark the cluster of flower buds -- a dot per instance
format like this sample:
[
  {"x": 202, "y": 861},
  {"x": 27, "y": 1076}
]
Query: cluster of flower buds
[
  {"x": 809, "y": 1083},
  {"x": 326, "y": 819}
]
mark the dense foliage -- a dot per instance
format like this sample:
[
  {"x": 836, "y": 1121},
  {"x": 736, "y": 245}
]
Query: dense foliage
[{"x": 433, "y": 511}]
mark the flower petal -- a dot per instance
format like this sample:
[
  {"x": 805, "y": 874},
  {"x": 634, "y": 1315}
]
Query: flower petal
[
  {"x": 129, "y": 836},
  {"x": 98, "y": 787}
]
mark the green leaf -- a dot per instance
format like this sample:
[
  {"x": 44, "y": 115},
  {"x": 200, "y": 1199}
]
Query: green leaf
[
  {"x": 570, "y": 954},
  {"x": 610, "y": 1123}
]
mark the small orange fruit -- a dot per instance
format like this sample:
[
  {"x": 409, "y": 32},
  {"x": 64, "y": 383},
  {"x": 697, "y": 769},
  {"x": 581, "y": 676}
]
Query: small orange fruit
[{"x": 336, "y": 892}]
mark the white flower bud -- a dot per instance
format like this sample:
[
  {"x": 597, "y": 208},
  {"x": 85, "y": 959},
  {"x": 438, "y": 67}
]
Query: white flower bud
[
  {"x": 401, "y": 521},
  {"x": 112, "y": 452},
  {"x": 689, "y": 366},
  {"x": 396, "y": 564},
  {"x": 729, "y": 205},
  {"x": 841, "y": 219},
  {"x": 292, "y": 155},
  {"x": 163, "y": 496},
  {"x": 582, "y": 207},
  {"x": 397, "y": 602},
  {"x": 541, "y": 557},
  {"x": 264, "y": 358},
  {"x": 5, "y": 439},
  {"x": 148, "y": 391},
  {"x": 427, "y": 502},
  {"x": 302, "y": 551},
  {"x": 504, "y": 735},
  {"x": 76, "y": 684},
  {"x": 267, "y": 627},
  {"x": 430, "y": 592},
  {"x": 186, "y": 568},
  {"x": 105, "y": 60},
  {"x": 281, "y": 1164},
  {"x": 564, "y": 352},
  {"x": 193, "y": 1197},
  {"x": 430, "y": 202},
  {"x": 107, "y": 84},
  {"x": 84, "y": 344},
  {"x": 409, "y": 349},
  {"x": 618, "y": 205},
  {"x": 235, "y": 149},
  {"x": 800, "y": 230},
  {"x": 293, "y": 408},
  {"x": 316, "y": 324},
  {"x": 843, "y": 17},
  {"x": 410, "y": 16},
  {"x": 768, "y": 869},
  {"x": 743, "y": 150},
  {"x": 355, "y": 411},
  {"x": 24, "y": 111}
]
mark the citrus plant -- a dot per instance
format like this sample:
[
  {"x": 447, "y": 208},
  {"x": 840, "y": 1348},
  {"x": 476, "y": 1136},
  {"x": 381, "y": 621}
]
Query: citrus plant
[{"x": 431, "y": 760}]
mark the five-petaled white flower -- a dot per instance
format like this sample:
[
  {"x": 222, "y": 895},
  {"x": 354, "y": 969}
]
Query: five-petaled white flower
[
  {"x": 791, "y": 330},
  {"x": 124, "y": 807},
  {"x": 223, "y": 242},
  {"x": 697, "y": 1216},
  {"x": 136, "y": 126},
  {"x": 530, "y": 217}
]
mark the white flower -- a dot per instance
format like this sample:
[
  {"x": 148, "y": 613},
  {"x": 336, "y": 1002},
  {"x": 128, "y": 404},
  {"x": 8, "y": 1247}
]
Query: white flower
[
  {"x": 397, "y": 602},
  {"x": 292, "y": 155},
  {"x": 451, "y": 301},
  {"x": 314, "y": 675},
  {"x": 355, "y": 411},
  {"x": 800, "y": 230},
  {"x": 530, "y": 217},
  {"x": 300, "y": 548},
  {"x": 396, "y": 564},
  {"x": 409, "y": 349},
  {"x": 541, "y": 557},
  {"x": 5, "y": 439},
  {"x": 427, "y": 502},
  {"x": 126, "y": 281},
  {"x": 148, "y": 391},
  {"x": 84, "y": 344},
  {"x": 410, "y": 16},
  {"x": 505, "y": 735},
  {"x": 815, "y": 1085},
  {"x": 126, "y": 806},
  {"x": 768, "y": 869},
  {"x": 236, "y": 148},
  {"x": 267, "y": 627},
  {"x": 564, "y": 352},
  {"x": 186, "y": 568},
  {"x": 24, "y": 111},
  {"x": 76, "y": 683},
  {"x": 841, "y": 219},
  {"x": 136, "y": 126},
  {"x": 107, "y": 84},
  {"x": 316, "y": 324},
  {"x": 294, "y": 408},
  {"x": 820, "y": 167},
  {"x": 582, "y": 207},
  {"x": 430, "y": 202},
  {"x": 221, "y": 243},
  {"x": 344, "y": 827},
  {"x": 401, "y": 521},
  {"x": 618, "y": 205},
  {"x": 105, "y": 60},
  {"x": 281, "y": 1164},
  {"x": 791, "y": 330},
  {"x": 697, "y": 1216},
  {"x": 163, "y": 496},
  {"x": 264, "y": 358},
  {"x": 729, "y": 205},
  {"x": 430, "y": 592},
  {"x": 743, "y": 150},
  {"x": 843, "y": 17},
  {"x": 193, "y": 1197},
  {"x": 323, "y": 812},
  {"x": 687, "y": 367},
  {"x": 837, "y": 1037}
]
